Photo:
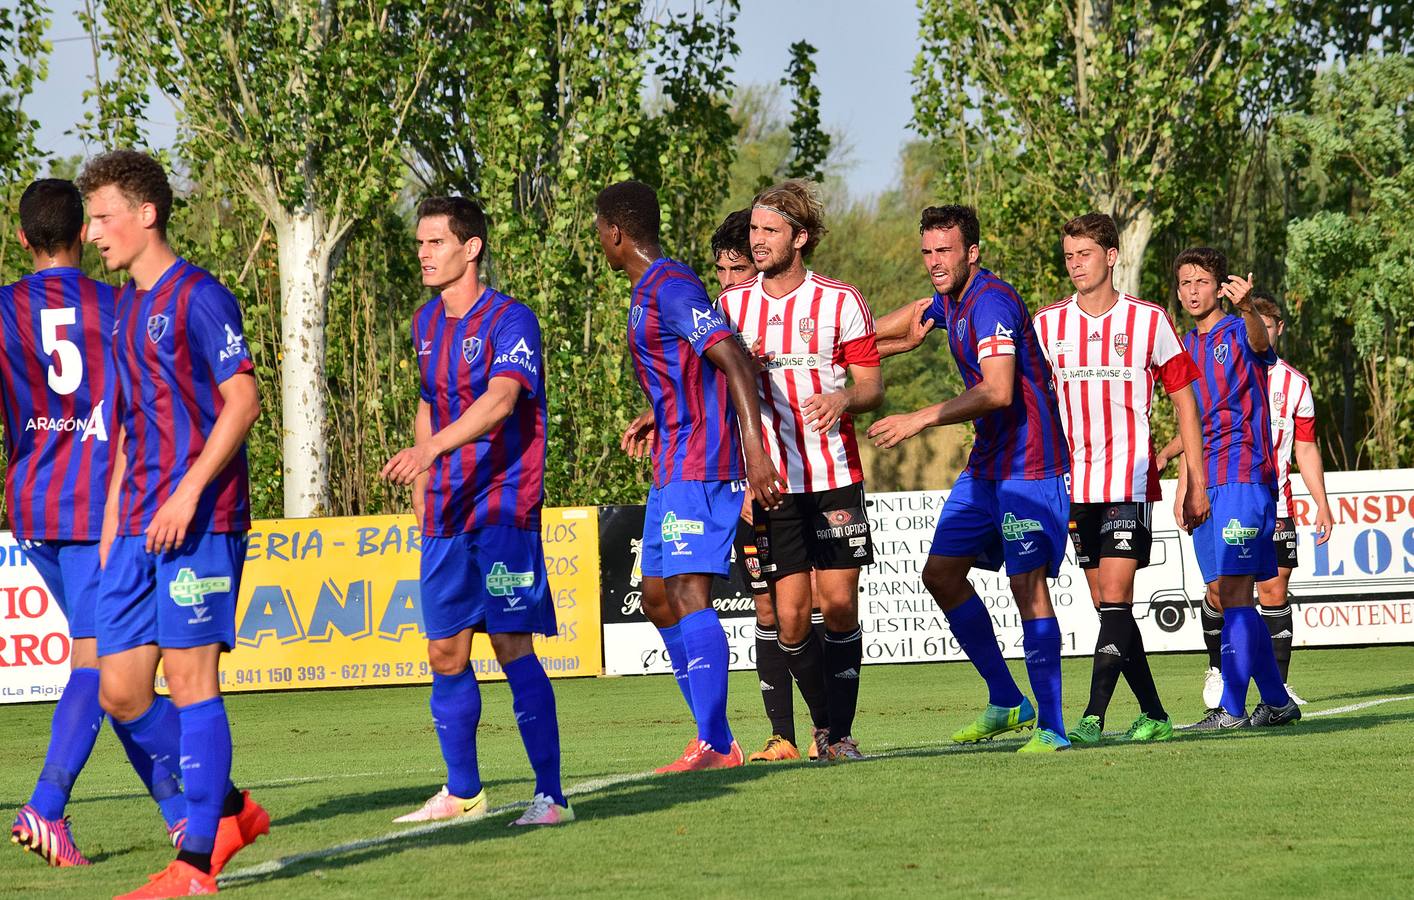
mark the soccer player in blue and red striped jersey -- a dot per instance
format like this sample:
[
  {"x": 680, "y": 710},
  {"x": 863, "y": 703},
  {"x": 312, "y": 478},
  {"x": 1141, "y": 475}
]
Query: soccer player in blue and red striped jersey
[
  {"x": 60, "y": 443},
  {"x": 1234, "y": 545},
  {"x": 478, "y": 476},
  {"x": 702, "y": 389},
  {"x": 1012, "y": 505},
  {"x": 178, "y": 509}
]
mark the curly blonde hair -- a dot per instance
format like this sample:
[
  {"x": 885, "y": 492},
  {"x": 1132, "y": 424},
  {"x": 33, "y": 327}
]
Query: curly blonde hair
[{"x": 798, "y": 203}]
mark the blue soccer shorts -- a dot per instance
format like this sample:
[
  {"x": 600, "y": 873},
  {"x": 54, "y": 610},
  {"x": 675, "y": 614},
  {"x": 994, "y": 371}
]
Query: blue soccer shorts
[
  {"x": 689, "y": 526},
  {"x": 492, "y": 579},
  {"x": 180, "y": 598},
  {"x": 1237, "y": 538},
  {"x": 70, "y": 571},
  {"x": 1022, "y": 523}
]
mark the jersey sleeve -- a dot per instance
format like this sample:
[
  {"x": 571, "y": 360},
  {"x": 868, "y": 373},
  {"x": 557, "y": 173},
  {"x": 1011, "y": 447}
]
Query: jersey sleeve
[
  {"x": 1174, "y": 366},
  {"x": 215, "y": 332},
  {"x": 1305, "y": 417},
  {"x": 423, "y": 390},
  {"x": 685, "y": 312},
  {"x": 857, "y": 344},
  {"x": 515, "y": 345},
  {"x": 936, "y": 312},
  {"x": 996, "y": 318}
]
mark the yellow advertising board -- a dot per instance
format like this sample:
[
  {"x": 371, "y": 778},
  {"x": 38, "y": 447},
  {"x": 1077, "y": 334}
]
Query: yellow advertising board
[{"x": 336, "y": 603}]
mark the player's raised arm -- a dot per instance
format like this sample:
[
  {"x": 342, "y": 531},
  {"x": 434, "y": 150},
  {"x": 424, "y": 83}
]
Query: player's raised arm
[
  {"x": 905, "y": 328},
  {"x": 993, "y": 392},
  {"x": 1238, "y": 290},
  {"x": 765, "y": 481}
]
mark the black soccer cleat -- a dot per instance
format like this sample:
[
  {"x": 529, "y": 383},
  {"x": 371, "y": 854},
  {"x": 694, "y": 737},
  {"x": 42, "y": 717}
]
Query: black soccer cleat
[
  {"x": 1219, "y": 720},
  {"x": 1265, "y": 716}
]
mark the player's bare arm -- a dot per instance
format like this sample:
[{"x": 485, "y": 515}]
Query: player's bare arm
[
  {"x": 637, "y": 439},
  {"x": 903, "y": 329},
  {"x": 488, "y": 411},
  {"x": 823, "y": 411},
  {"x": 1190, "y": 433},
  {"x": 1171, "y": 451},
  {"x": 993, "y": 392},
  {"x": 766, "y": 483},
  {"x": 1313, "y": 473},
  {"x": 110, "y": 503},
  {"x": 1238, "y": 290},
  {"x": 240, "y": 397}
]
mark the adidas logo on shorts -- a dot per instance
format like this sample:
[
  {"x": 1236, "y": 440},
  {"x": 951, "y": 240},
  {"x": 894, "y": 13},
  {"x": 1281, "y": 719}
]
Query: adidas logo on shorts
[
  {"x": 766, "y": 687},
  {"x": 1111, "y": 649},
  {"x": 850, "y": 673}
]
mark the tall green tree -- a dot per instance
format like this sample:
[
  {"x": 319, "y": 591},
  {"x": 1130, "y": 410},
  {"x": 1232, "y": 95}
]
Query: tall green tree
[
  {"x": 300, "y": 105},
  {"x": 1350, "y": 263},
  {"x": 809, "y": 142},
  {"x": 24, "y": 56},
  {"x": 1093, "y": 105}
]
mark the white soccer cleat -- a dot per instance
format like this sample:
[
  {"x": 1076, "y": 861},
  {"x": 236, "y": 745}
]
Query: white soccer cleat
[
  {"x": 545, "y": 811},
  {"x": 1213, "y": 688},
  {"x": 443, "y": 805},
  {"x": 1300, "y": 701}
]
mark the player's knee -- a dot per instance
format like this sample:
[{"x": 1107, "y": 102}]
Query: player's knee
[
  {"x": 946, "y": 586},
  {"x": 121, "y": 702},
  {"x": 1271, "y": 593},
  {"x": 511, "y": 647},
  {"x": 446, "y": 660}
]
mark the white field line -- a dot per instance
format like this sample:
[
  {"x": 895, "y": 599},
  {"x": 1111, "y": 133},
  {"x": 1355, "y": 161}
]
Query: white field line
[{"x": 593, "y": 785}]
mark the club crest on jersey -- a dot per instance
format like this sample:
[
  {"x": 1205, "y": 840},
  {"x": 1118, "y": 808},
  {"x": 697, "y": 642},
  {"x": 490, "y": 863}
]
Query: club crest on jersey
[
  {"x": 806, "y": 327},
  {"x": 961, "y": 329},
  {"x": 471, "y": 349},
  {"x": 635, "y": 316},
  {"x": 1278, "y": 399},
  {"x": 157, "y": 326},
  {"x": 1220, "y": 354},
  {"x": 1121, "y": 343}
]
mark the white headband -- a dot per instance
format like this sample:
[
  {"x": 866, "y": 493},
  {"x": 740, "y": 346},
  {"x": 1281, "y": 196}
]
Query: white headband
[{"x": 783, "y": 214}]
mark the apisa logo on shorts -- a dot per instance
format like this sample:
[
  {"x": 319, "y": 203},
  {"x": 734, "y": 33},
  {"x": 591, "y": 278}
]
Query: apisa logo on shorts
[
  {"x": 674, "y": 528},
  {"x": 502, "y": 582},
  {"x": 189, "y": 591},
  {"x": 1013, "y": 529},
  {"x": 1235, "y": 534}
]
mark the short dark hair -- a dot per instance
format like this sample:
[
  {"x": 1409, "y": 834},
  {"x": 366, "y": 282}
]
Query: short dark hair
[
  {"x": 633, "y": 207},
  {"x": 1096, "y": 226},
  {"x": 1214, "y": 262},
  {"x": 51, "y": 214},
  {"x": 963, "y": 218},
  {"x": 1266, "y": 305},
  {"x": 733, "y": 235},
  {"x": 138, "y": 176},
  {"x": 464, "y": 218}
]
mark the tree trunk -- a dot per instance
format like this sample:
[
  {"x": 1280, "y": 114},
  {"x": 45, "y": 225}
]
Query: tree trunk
[
  {"x": 305, "y": 257},
  {"x": 1134, "y": 233}
]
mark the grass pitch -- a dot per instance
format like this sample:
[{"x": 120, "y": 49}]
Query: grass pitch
[{"x": 1319, "y": 808}]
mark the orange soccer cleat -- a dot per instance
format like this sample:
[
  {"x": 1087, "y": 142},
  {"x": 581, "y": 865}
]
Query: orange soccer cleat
[
  {"x": 237, "y": 832},
  {"x": 179, "y": 879},
  {"x": 699, "y": 755},
  {"x": 777, "y": 749}
]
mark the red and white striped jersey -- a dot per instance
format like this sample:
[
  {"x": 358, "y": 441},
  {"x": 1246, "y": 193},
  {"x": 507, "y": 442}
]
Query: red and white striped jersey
[
  {"x": 810, "y": 337},
  {"x": 1293, "y": 419},
  {"x": 1105, "y": 368}
]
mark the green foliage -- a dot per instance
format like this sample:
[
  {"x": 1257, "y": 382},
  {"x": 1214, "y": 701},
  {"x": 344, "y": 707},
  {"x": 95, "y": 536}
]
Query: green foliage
[
  {"x": 24, "y": 60},
  {"x": 114, "y": 107},
  {"x": 1350, "y": 265},
  {"x": 809, "y": 144}
]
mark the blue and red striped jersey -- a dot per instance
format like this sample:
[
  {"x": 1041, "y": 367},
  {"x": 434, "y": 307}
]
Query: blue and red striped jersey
[
  {"x": 173, "y": 346},
  {"x": 1024, "y": 439},
  {"x": 499, "y": 478},
  {"x": 1232, "y": 402},
  {"x": 671, "y": 326},
  {"x": 57, "y": 380}
]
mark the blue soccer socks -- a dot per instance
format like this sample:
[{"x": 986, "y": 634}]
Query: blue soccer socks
[
  {"x": 533, "y": 700},
  {"x": 1041, "y": 639},
  {"x": 206, "y": 770},
  {"x": 77, "y": 719},
  {"x": 456, "y": 712},
  {"x": 707, "y": 659},
  {"x": 152, "y": 743},
  {"x": 677, "y": 656},
  {"x": 1248, "y": 655},
  {"x": 972, "y": 626}
]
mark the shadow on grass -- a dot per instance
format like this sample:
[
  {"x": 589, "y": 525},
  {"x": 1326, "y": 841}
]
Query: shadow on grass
[
  {"x": 633, "y": 798},
  {"x": 1400, "y": 690},
  {"x": 395, "y": 800}
]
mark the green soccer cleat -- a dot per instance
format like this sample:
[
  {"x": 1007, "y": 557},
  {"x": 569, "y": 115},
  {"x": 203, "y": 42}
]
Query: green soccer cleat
[
  {"x": 1087, "y": 731},
  {"x": 1045, "y": 741},
  {"x": 1147, "y": 729},
  {"x": 997, "y": 720}
]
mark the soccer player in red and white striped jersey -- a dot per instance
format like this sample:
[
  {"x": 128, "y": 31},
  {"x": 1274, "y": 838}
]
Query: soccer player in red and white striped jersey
[
  {"x": 1107, "y": 349},
  {"x": 814, "y": 337},
  {"x": 1293, "y": 412}
]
